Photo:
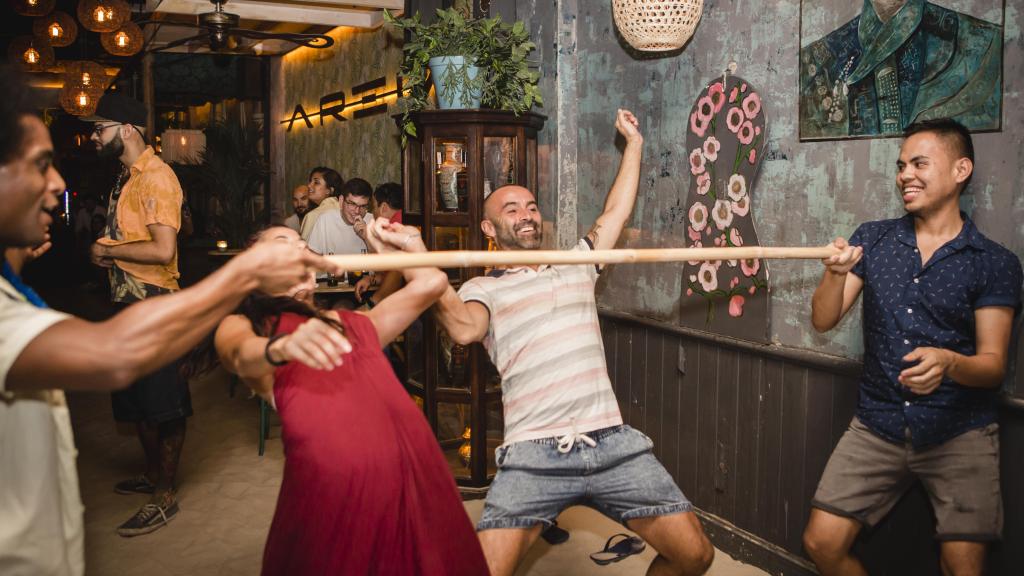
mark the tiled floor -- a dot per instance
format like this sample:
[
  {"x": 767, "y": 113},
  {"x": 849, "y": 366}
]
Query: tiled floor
[{"x": 228, "y": 492}]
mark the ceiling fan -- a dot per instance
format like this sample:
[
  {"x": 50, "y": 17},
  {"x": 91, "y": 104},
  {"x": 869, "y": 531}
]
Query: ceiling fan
[{"x": 220, "y": 30}]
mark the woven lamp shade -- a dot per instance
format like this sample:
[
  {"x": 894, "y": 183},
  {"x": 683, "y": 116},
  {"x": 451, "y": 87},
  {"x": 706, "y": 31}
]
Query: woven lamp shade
[
  {"x": 78, "y": 101},
  {"x": 103, "y": 15},
  {"x": 125, "y": 41},
  {"x": 30, "y": 54},
  {"x": 657, "y": 25},
  {"x": 58, "y": 28},
  {"x": 86, "y": 75},
  {"x": 33, "y": 7}
]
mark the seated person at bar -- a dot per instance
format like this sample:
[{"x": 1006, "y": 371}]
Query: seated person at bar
[
  {"x": 343, "y": 231},
  {"x": 939, "y": 304},
  {"x": 324, "y": 187},
  {"x": 300, "y": 205},
  {"x": 366, "y": 488},
  {"x": 387, "y": 203}
]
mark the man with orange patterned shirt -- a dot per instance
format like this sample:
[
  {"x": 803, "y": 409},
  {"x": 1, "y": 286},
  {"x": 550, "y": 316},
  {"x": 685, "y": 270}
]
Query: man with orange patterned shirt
[{"x": 139, "y": 248}]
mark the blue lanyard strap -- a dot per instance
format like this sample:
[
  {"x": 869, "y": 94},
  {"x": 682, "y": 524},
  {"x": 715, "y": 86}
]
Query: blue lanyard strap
[{"x": 20, "y": 286}]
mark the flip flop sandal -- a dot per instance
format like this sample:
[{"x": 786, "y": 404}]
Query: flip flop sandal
[{"x": 627, "y": 546}]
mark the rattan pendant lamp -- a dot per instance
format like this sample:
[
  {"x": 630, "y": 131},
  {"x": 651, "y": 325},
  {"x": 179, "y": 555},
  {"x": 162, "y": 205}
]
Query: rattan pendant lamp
[{"x": 657, "y": 25}]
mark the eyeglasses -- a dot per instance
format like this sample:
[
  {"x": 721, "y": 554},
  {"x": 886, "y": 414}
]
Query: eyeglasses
[
  {"x": 360, "y": 207},
  {"x": 99, "y": 128}
]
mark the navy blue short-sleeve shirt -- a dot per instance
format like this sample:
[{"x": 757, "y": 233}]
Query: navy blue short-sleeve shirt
[{"x": 907, "y": 305}]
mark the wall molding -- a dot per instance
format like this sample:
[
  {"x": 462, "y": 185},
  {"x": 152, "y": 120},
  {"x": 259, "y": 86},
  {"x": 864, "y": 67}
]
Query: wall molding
[{"x": 835, "y": 364}]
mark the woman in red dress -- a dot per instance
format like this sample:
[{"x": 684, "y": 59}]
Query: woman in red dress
[{"x": 366, "y": 489}]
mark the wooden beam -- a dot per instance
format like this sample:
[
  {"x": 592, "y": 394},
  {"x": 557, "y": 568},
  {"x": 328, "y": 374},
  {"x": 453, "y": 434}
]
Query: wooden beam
[{"x": 322, "y": 13}]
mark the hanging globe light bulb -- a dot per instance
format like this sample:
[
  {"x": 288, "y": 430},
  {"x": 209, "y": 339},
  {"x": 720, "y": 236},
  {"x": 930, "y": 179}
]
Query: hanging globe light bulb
[
  {"x": 58, "y": 28},
  {"x": 83, "y": 98},
  {"x": 103, "y": 15},
  {"x": 30, "y": 54},
  {"x": 125, "y": 41},
  {"x": 33, "y": 7}
]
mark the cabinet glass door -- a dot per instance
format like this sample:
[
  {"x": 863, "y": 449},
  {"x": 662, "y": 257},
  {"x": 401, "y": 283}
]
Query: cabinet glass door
[
  {"x": 499, "y": 162},
  {"x": 451, "y": 175}
]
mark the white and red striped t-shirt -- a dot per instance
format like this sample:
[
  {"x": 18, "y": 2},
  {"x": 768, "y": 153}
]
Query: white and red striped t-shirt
[{"x": 545, "y": 340}]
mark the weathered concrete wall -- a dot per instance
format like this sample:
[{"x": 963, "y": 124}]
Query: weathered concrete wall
[
  {"x": 365, "y": 147},
  {"x": 806, "y": 194}
]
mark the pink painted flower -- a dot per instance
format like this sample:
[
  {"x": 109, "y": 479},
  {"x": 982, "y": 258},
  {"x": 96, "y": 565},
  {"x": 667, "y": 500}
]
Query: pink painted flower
[
  {"x": 736, "y": 306},
  {"x": 689, "y": 292},
  {"x": 708, "y": 276},
  {"x": 693, "y": 277},
  {"x": 743, "y": 88},
  {"x": 734, "y": 119},
  {"x": 735, "y": 94},
  {"x": 697, "y": 125},
  {"x": 735, "y": 280},
  {"x": 750, "y": 266},
  {"x": 696, "y": 162},
  {"x": 757, "y": 130},
  {"x": 741, "y": 206},
  {"x": 752, "y": 105},
  {"x": 718, "y": 241},
  {"x": 698, "y": 217},
  {"x": 717, "y": 264},
  {"x": 703, "y": 183},
  {"x": 746, "y": 133},
  {"x": 752, "y": 156},
  {"x": 717, "y": 94},
  {"x": 722, "y": 213},
  {"x": 734, "y": 237},
  {"x": 705, "y": 108},
  {"x": 752, "y": 289},
  {"x": 693, "y": 234},
  {"x": 711, "y": 148},
  {"x": 737, "y": 186}
]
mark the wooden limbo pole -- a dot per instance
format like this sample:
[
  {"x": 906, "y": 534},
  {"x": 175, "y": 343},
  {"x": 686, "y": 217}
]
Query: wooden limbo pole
[{"x": 482, "y": 258}]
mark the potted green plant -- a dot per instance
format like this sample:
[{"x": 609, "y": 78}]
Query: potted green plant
[
  {"x": 503, "y": 79},
  {"x": 230, "y": 173}
]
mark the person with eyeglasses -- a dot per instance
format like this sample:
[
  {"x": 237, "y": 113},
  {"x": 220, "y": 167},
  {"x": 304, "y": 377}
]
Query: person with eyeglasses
[
  {"x": 139, "y": 249},
  {"x": 343, "y": 231}
]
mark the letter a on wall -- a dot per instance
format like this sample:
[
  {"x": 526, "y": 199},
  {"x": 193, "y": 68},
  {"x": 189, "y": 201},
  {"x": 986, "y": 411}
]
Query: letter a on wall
[{"x": 725, "y": 141}]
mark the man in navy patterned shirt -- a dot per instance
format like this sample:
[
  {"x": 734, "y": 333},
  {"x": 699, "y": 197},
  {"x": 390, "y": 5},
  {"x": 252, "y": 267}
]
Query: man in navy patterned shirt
[{"x": 939, "y": 304}]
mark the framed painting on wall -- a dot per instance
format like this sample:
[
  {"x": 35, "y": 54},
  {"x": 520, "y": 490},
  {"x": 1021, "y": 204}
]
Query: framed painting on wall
[{"x": 869, "y": 69}]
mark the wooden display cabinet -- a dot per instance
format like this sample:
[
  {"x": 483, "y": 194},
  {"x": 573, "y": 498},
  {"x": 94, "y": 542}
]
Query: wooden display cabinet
[{"x": 458, "y": 158}]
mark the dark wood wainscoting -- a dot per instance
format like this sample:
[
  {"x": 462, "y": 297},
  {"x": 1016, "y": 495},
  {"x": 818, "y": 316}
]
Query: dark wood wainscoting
[{"x": 746, "y": 430}]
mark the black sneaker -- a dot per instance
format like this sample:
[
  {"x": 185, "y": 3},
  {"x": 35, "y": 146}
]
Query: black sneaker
[
  {"x": 149, "y": 518},
  {"x": 554, "y": 535},
  {"x": 138, "y": 485}
]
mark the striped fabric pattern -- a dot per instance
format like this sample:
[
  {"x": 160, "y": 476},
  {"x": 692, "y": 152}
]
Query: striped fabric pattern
[{"x": 545, "y": 341}]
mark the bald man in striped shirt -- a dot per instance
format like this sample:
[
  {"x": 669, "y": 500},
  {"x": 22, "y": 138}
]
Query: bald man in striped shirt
[{"x": 565, "y": 443}]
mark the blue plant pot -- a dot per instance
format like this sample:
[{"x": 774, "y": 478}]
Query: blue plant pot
[{"x": 451, "y": 74}]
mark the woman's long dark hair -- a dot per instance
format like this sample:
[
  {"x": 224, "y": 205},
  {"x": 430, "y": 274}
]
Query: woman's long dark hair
[{"x": 264, "y": 313}]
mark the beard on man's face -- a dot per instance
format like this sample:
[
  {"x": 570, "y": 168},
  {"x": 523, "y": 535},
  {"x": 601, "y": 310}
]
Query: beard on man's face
[
  {"x": 509, "y": 237},
  {"x": 112, "y": 149}
]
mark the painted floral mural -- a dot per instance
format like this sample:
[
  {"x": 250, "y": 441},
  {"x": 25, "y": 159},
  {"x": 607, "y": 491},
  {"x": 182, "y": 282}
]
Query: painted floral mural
[{"x": 725, "y": 141}]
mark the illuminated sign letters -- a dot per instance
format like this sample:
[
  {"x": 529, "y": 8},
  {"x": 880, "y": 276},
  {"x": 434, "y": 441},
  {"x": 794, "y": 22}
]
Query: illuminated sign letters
[{"x": 334, "y": 105}]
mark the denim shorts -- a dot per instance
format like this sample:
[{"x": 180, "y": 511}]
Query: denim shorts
[{"x": 619, "y": 477}]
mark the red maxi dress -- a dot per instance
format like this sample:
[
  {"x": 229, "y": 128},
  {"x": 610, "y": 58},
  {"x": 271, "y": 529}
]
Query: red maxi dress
[{"x": 366, "y": 489}]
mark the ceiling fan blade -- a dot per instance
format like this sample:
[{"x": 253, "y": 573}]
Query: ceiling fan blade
[
  {"x": 318, "y": 41},
  {"x": 142, "y": 23},
  {"x": 178, "y": 42}
]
